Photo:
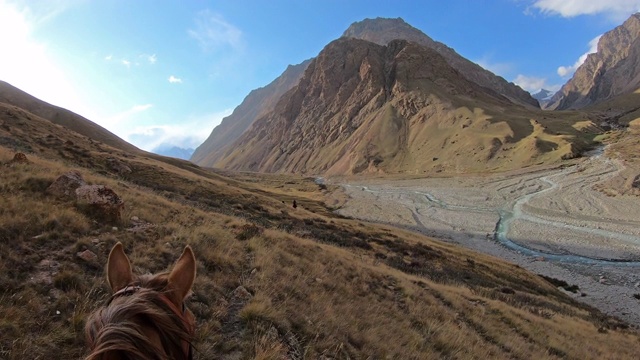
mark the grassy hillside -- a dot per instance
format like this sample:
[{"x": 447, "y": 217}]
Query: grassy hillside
[
  {"x": 273, "y": 282},
  {"x": 11, "y": 95}
]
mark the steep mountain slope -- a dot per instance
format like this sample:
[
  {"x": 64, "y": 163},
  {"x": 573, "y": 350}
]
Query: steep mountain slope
[
  {"x": 259, "y": 102},
  {"x": 272, "y": 282},
  {"x": 381, "y": 31},
  {"x": 401, "y": 108},
  {"x": 613, "y": 70},
  {"x": 57, "y": 115}
]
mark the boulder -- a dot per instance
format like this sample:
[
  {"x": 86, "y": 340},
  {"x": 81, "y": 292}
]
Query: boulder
[
  {"x": 19, "y": 158},
  {"x": 88, "y": 256},
  {"x": 241, "y": 294},
  {"x": 101, "y": 202},
  {"x": 118, "y": 166},
  {"x": 65, "y": 186}
]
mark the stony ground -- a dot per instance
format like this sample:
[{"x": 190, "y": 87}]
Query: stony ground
[{"x": 552, "y": 222}]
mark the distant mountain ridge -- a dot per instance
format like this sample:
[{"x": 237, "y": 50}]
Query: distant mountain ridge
[
  {"x": 174, "y": 151},
  {"x": 612, "y": 71},
  {"x": 543, "y": 96}
]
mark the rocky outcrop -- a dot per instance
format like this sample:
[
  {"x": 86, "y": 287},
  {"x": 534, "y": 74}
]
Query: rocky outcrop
[
  {"x": 381, "y": 31},
  {"x": 258, "y": 103},
  {"x": 101, "y": 202},
  {"x": 118, "y": 166},
  {"x": 65, "y": 185},
  {"x": 98, "y": 201},
  {"x": 612, "y": 71}
]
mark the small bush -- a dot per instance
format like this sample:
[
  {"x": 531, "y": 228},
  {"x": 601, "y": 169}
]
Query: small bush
[
  {"x": 248, "y": 231},
  {"x": 67, "y": 280}
]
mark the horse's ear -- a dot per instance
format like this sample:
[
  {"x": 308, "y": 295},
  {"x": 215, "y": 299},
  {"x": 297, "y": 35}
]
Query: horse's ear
[
  {"x": 183, "y": 274},
  {"x": 119, "y": 272}
]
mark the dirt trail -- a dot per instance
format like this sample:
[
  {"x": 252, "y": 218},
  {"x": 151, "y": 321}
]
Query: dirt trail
[{"x": 552, "y": 222}]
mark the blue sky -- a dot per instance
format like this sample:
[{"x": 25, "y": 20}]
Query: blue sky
[{"x": 167, "y": 72}]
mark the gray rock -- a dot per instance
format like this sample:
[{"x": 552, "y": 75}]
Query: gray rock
[{"x": 65, "y": 186}]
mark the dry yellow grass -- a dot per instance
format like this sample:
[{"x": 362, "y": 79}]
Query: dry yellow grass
[{"x": 273, "y": 282}]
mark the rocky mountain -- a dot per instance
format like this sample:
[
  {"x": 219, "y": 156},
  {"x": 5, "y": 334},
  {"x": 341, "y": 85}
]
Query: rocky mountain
[
  {"x": 543, "y": 96},
  {"x": 259, "y": 102},
  {"x": 382, "y": 30},
  {"x": 400, "y": 108},
  {"x": 174, "y": 151},
  {"x": 13, "y": 96},
  {"x": 612, "y": 71}
]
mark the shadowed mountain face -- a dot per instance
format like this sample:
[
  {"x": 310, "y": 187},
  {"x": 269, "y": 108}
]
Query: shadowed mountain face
[
  {"x": 258, "y": 103},
  {"x": 57, "y": 115},
  {"x": 400, "y": 108},
  {"x": 612, "y": 71},
  {"x": 381, "y": 31}
]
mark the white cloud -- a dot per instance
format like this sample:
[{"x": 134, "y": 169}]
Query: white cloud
[
  {"x": 108, "y": 57},
  {"x": 533, "y": 84},
  {"x": 126, "y": 63},
  {"x": 566, "y": 71},
  {"x": 213, "y": 31},
  {"x": 152, "y": 59},
  {"x": 124, "y": 116},
  {"x": 190, "y": 133},
  {"x": 139, "y": 108},
  {"x": 497, "y": 68},
  {"x": 616, "y": 9},
  {"x": 175, "y": 80}
]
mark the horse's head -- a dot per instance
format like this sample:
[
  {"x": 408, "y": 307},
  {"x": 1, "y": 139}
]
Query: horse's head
[{"x": 146, "y": 317}]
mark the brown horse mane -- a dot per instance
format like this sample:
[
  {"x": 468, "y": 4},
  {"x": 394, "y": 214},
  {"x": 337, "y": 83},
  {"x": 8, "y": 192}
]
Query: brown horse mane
[{"x": 116, "y": 330}]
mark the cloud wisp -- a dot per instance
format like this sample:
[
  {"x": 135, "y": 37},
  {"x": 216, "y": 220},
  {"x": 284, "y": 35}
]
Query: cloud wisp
[
  {"x": 190, "y": 133},
  {"x": 174, "y": 80},
  {"x": 615, "y": 9},
  {"x": 125, "y": 116},
  {"x": 534, "y": 84},
  {"x": 212, "y": 32},
  {"x": 498, "y": 68},
  {"x": 566, "y": 71}
]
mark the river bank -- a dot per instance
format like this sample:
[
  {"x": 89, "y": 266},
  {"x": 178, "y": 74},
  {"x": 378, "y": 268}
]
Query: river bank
[{"x": 551, "y": 222}]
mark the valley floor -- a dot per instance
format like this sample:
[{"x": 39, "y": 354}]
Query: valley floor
[{"x": 552, "y": 222}]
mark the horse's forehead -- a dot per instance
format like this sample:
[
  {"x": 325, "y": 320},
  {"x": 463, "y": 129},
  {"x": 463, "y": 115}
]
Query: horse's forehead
[{"x": 151, "y": 280}]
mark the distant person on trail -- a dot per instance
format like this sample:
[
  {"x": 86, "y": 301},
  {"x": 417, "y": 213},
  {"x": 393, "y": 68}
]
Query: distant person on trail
[{"x": 295, "y": 205}]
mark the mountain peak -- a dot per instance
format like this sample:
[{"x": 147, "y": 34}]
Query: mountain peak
[{"x": 383, "y": 30}]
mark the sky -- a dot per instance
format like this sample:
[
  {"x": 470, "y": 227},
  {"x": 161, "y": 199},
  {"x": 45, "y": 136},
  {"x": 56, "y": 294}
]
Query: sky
[{"x": 165, "y": 73}]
